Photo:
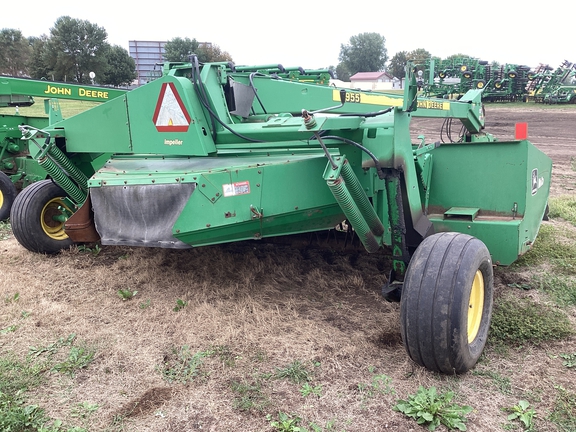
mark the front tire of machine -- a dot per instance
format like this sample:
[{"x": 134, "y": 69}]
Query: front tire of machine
[
  {"x": 8, "y": 194},
  {"x": 32, "y": 218},
  {"x": 446, "y": 302}
]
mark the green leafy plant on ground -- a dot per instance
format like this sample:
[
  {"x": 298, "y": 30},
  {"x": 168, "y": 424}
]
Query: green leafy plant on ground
[
  {"x": 183, "y": 365},
  {"x": 126, "y": 294},
  {"x": 308, "y": 390},
  {"x": 93, "y": 250},
  {"x": 563, "y": 207},
  {"x": 559, "y": 286},
  {"x": 502, "y": 383},
  {"x": 249, "y": 396},
  {"x": 524, "y": 415},
  {"x": 5, "y": 231},
  {"x": 569, "y": 360},
  {"x": 16, "y": 415},
  {"x": 517, "y": 321},
  {"x": 563, "y": 412},
  {"x": 180, "y": 304},
  {"x": 285, "y": 423},
  {"x": 78, "y": 358},
  {"x": 17, "y": 378},
  {"x": 430, "y": 408},
  {"x": 53, "y": 348},
  {"x": 12, "y": 299},
  {"x": 549, "y": 251},
  {"x": 379, "y": 384},
  {"x": 297, "y": 372}
]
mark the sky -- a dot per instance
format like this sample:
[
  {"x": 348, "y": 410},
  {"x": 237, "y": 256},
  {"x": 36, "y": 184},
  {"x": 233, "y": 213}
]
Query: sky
[{"x": 309, "y": 34}]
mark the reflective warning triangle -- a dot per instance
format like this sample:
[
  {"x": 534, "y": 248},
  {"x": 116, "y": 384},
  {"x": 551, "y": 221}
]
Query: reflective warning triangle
[{"x": 170, "y": 114}]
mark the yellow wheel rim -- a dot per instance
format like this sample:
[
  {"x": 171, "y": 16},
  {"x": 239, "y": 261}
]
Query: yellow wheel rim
[
  {"x": 476, "y": 306},
  {"x": 480, "y": 85},
  {"x": 52, "y": 227},
  {"x": 1, "y": 199}
]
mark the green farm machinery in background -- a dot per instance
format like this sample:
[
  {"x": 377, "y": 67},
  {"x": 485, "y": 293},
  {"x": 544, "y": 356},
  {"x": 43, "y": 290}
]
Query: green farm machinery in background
[
  {"x": 451, "y": 78},
  {"x": 17, "y": 168},
  {"x": 554, "y": 86},
  {"x": 215, "y": 153}
]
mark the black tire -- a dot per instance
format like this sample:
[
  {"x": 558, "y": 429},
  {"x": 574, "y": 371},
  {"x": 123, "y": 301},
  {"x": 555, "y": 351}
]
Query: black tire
[
  {"x": 446, "y": 303},
  {"x": 480, "y": 84},
  {"x": 32, "y": 218},
  {"x": 8, "y": 194},
  {"x": 546, "y": 215}
]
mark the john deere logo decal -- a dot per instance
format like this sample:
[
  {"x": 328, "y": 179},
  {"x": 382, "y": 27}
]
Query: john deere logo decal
[{"x": 170, "y": 114}]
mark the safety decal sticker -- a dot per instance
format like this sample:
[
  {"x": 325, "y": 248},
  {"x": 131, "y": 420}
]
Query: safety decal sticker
[
  {"x": 170, "y": 114},
  {"x": 238, "y": 188},
  {"x": 537, "y": 182}
]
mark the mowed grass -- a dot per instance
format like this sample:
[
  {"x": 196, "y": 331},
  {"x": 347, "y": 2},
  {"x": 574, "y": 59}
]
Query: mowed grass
[{"x": 69, "y": 108}]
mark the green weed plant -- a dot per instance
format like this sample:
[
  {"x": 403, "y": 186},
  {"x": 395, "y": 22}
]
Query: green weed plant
[
  {"x": 432, "y": 409},
  {"x": 523, "y": 414}
]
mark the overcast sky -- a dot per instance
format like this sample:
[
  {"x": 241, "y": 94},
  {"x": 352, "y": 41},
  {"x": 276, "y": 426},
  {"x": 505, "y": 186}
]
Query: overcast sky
[{"x": 309, "y": 34}]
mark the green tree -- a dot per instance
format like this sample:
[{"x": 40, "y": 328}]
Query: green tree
[
  {"x": 180, "y": 50},
  {"x": 37, "y": 67},
  {"x": 366, "y": 52},
  {"x": 397, "y": 65},
  {"x": 121, "y": 68},
  {"x": 457, "y": 56},
  {"x": 212, "y": 53},
  {"x": 75, "y": 48},
  {"x": 15, "y": 53},
  {"x": 418, "y": 56},
  {"x": 342, "y": 72}
]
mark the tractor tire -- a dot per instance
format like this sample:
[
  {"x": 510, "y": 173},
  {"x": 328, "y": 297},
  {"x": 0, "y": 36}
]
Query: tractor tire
[
  {"x": 32, "y": 218},
  {"x": 8, "y": 194},
  {"x": 446, "y": 302}
]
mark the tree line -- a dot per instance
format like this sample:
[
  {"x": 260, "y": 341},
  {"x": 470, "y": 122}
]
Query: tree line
[{"x": 75, "y": 47}]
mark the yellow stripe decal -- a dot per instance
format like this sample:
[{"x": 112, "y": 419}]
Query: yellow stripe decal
[{"x": 383, "y": 100}]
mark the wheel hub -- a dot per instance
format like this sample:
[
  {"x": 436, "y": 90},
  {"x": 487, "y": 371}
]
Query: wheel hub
[
  {"x": 476, "y": 306},
  {"x": 50, "y": 219}
]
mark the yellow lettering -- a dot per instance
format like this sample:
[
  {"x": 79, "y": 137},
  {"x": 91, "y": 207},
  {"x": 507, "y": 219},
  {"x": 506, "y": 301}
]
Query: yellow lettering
[{"x": 81, "y": 92}]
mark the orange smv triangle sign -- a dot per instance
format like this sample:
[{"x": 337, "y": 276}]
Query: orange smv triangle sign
[{"x": 170, "y": 114}]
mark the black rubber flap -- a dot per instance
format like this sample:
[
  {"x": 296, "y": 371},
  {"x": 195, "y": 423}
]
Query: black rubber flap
[{"x": 141, "y": 215}]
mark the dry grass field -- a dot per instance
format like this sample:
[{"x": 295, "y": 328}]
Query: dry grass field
[{"x": 268, "y": 337}]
